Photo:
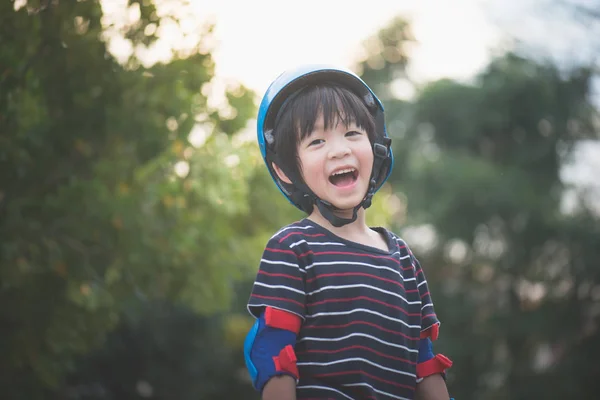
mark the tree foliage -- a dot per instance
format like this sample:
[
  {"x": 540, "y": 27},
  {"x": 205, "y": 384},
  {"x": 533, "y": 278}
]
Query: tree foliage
[
  {"x": 160, "y": 351},
  {"x": 116, "y": 180},
  {"x": 512, "y": 270}
]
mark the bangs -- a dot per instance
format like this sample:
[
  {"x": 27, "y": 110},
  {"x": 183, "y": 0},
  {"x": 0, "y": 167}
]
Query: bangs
[{"x": 335, "y": 104}]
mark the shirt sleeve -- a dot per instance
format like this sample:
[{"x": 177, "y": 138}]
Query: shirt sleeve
[
  {"x": 429, "y": 321},
  {"x": 280, "y": 280}
]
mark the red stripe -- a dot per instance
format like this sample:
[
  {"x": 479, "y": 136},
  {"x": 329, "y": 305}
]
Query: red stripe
[
  {"x": 261, "y": 272},
  {"x": 424, "y": 294},
  {"x": 359, "y": 347},
  {"x": 356, "y": 254},
  {"x": 367, "y": 374},
  {"x": 280, "y": 251},
  {"x": 301, "y": 233},
  {"x": 359, "y": 322},
  {"x": 429, "y": 315},
  {"x": 363, "y": 298},
  {"x": 277, "y": 298},
  {"x": 355, "y": 274},
  {"x": 320, "y": 253}
]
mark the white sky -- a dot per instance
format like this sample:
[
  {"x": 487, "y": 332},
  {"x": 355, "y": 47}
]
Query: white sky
[{"x": 258, "y": 39}]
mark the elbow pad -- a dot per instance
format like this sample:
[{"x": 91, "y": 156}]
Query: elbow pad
[
  {"x": 430, "y": 363},
  {"x": 269, "y": 346}
]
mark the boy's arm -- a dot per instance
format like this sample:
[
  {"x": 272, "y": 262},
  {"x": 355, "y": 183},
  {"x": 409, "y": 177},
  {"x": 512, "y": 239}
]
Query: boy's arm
[
  {"x": 281, "y": 387},
  {"x": 430, "y": 366},
  {"x": 277, "y": 301},
  {"x": 432, "y": 387}
]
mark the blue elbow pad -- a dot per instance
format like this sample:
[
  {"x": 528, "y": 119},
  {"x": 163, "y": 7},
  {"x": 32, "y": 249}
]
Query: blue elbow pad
[
  {"x": 425, "y": 350},
  {"x": 269, "y": 346},
  {"x": 430, "y": 363}
]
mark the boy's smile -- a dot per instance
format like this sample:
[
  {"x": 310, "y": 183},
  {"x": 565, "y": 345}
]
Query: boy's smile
[
  {"x": 344, "y": 177},
  {"x": 336, "y": 163}
]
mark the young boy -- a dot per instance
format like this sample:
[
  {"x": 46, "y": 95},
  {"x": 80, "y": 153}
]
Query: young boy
[{"x": 343, "y": 310}]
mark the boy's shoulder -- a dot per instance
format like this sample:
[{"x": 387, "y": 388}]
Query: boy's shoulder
[
  {"x": 396, "y": 238},
  {"x": 398, "y": 241}
]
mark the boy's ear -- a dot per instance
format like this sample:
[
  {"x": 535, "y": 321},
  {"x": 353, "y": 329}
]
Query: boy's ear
[{"x": 281, "y": 174}]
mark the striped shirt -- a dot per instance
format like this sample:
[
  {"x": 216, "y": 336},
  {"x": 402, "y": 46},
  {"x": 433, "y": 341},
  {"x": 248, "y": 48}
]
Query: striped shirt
[{"x": 362, "y": 309}]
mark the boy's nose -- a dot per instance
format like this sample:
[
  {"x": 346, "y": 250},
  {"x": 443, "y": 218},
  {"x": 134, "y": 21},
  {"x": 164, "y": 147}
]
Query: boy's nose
[{"x": 339, "y": 151}]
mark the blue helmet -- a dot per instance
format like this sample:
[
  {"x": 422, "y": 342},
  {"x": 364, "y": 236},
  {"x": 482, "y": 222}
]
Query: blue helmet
[{"x": 290, "y": 82}]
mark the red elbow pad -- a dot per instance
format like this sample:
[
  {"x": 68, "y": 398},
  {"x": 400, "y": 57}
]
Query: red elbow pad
[
  {"x": 437, "y": 365},
  {"x": 286, "y": 361},
  {"x": 280, "y": 319},
  {"x": 432, "y": 332}
]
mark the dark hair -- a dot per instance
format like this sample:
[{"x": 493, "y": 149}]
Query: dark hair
[{"x": 297, "y": 117}]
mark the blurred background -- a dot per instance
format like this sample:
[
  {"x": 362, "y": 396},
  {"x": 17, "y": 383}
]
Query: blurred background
[{"x": 134, "y": 205}]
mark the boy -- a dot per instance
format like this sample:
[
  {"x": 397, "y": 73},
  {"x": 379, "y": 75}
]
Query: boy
[{"x": 343, "y": 310}]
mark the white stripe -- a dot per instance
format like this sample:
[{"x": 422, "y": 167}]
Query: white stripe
[
  {"x": 422, "y": 283},
  {"x": 395, "y": 271},
  {"x": 319, "y": 339},
  {"x": 278, "y": 287},
  {"x": 364, "y": 286},
  {"x": 323, "y": 388},
  {"x": 275, "y": 262},
  {"x": 264, "y": 260},
  {"x": 375, "y": 390},
  {"x": 358, "y": 359},
  {"x": 426, "y": 305},
  {"x": 257, "y": 305},
  {"x": 363, "y": 310},
  {"x": 316, "y": 243},
  {"x": 290, "y": 227}
]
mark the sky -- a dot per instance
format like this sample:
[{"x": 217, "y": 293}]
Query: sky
[
  {"x": 256, "y": 40},
  {"x": 260, "y": 39}
]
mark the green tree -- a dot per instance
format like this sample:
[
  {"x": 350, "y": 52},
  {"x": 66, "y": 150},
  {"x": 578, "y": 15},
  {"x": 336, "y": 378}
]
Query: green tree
[
  {"x": 160, "y": 351},
  {"x": 107, "y": 191},
  {"x": 479, "y": 165}
]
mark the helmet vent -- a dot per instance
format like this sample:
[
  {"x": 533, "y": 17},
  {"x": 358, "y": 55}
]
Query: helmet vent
[
  {"x": 269, "y": 137},
  {"x": 369, "y": 100}
]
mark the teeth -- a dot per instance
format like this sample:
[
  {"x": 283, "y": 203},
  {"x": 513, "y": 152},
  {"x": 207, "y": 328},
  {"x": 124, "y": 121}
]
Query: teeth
[{"x": 343, "y": 171}]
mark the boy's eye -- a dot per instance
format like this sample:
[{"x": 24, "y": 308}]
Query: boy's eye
[
  {"x": 316, "y": 142},
  {"x": 353, "y": 133}
]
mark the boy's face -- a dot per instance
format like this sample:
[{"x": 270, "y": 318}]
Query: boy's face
[{"x": 336, "y": 164}]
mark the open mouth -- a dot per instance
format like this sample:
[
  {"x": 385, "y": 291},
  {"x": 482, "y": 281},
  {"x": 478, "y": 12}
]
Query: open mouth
[{"x": 344, "y": 177}]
